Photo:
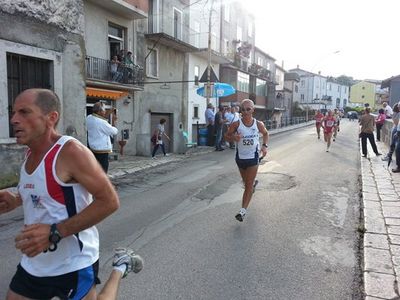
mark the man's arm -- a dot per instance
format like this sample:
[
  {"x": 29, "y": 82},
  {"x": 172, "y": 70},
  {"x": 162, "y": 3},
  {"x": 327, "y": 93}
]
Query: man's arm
[
  {"x": 231, "y": 135},
  {"x": 75, "y": 164},
  {"x": 265, "y": 137}
]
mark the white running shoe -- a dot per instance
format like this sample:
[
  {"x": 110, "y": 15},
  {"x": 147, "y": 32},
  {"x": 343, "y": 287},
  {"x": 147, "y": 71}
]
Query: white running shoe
[{"x": 133, "y": 262}]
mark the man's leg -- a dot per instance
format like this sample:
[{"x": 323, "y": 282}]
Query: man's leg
[
  {"x": 364, "y": 144},
  {"x": 154, "y": 150},
  {"x": 125, "y": 261},
  {"x": 102, "y": 158},
  {"x": 371, "y": 139},
  {"x": 248, "y": 176}
]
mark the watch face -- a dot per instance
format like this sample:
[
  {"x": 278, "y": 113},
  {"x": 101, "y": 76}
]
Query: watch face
[{"x": 55, "y": 238}]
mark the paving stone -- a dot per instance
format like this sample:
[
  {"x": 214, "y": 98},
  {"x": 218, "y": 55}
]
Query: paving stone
[
  {"x": 379, "y": 285},
  {"x": 378, "y": 241},
  {"x": 392, "y": 197},
  {"x": 392, "y": 221},
  {"x": 390, "y": 203},
  {"x": 374, "y": 213},
  {"x": 391, "y": 211},
  {"x": 372, "y": 204},
  {"x": 369, "y": 189},
  {"x": 378, "y": 260},
  {"x": 375, "y": 225},
  {"x": 372, "y": 298},
  {"x": 394, "y": 239},
  {"x": 371, "y": 196},
  {"x": 392, "y": 229}
]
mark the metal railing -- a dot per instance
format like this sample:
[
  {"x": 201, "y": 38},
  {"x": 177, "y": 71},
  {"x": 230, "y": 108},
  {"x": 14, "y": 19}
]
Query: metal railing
[
  {"x": 100, "y": 69},
  {"x": 285, "y": 121}
]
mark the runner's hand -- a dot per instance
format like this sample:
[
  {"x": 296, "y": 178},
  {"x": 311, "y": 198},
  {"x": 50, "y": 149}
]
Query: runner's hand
[
  {"x": 8, "y": 201},
  {"x": 33, "y": 239}
]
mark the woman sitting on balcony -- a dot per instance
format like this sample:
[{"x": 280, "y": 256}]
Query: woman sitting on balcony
[{"x": 115, "y": 74}]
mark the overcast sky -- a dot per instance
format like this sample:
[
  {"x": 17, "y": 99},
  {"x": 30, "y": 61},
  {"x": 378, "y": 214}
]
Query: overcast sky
[{"x": 309, "y": 32}]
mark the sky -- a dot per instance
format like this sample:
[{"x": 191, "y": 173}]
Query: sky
[{"x": 357, "y": 38}]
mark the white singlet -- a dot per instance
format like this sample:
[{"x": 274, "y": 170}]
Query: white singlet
[
  {"x": 248, "y": 146},
  {"x": 47, "y": 200}
]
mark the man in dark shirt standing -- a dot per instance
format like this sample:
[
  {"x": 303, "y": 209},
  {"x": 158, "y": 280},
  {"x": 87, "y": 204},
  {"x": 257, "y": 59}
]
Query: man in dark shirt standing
[
  {"x": 210, "y": 116},
  {"x": 219, "y": 126}
]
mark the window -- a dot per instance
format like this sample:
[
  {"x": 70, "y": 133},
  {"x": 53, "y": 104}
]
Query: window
[
  {"x": 261, "y": 87},
  {"x": 362, "y": 96},
  {"x": 296, "y": 88},
  {"x": 260, "y": 61},
  {"x": 344, "y": 102},
  {"x": 268, "y": 67},
  {"x": 196, "y": 75},
  {"x": 196, "y": 33},
  {"x": 177, "y": 24},
  {"x": 25, "y": 72},
  {"x": 152, "y": 63},
  {"x": 226, "y": 46},
  {"x": 338, "y": 88},
  {"x": 226, "y": 13},
  {"x": 330, "y": 87},
  {"x": 302, "y": 83},
  {"x": 302, "y": 97},
  {"x": 116, "y": 39},
  {"x": 243, "y": 82},
  {"x": 239, "y": 33},
  {"x": 195, "y": 111},
  {"x": 250, "y": 29},
  {"x": 156, "y": 15}
]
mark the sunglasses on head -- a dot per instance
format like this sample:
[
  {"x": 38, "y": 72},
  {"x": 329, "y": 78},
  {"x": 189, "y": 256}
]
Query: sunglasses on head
[{"x": 247, "y": 108}]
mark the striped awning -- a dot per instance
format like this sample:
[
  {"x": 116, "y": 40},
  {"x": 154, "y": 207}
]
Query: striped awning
[{"x": 105, "y": 94}]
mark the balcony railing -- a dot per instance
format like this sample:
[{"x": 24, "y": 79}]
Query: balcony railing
[{"x": 100, "y": 69}]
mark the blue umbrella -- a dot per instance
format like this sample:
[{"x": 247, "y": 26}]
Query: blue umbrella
[{"x": 220, "y": 90}]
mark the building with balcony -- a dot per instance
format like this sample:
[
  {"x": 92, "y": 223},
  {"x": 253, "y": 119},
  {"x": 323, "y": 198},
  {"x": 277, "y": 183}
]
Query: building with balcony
[
  {"x": 391, "y": 90},
  {"x": 41, "y": 46},
  {"x": 365, "y": 93},
  {"x": 114, "y": 62},
  {"x": 291, "y": 92},
  {"x": 338, "y": 92}
]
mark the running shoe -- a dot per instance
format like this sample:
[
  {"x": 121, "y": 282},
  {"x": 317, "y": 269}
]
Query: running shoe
[
  {"x": 133, "y": 262},
  {"x": 386, "y": 158},
  {"x": 239, "y": 217}
]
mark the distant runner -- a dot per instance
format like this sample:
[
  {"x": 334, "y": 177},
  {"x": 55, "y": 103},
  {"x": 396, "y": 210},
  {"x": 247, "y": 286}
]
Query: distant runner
[
  {"x": 328, "y": 124},
  {"x": 318, "y": 122}
]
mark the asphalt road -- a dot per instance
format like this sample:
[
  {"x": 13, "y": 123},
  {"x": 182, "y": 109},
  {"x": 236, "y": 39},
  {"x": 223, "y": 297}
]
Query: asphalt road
[{"x": 298, "y": 241}]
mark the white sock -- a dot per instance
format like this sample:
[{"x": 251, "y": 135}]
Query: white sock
[
  {"x": 121, "y": 268},
  {"x": 242, "y": 211}
]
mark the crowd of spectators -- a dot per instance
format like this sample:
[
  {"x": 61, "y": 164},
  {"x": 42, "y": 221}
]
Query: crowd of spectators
[{"x": 122, "y": 67}]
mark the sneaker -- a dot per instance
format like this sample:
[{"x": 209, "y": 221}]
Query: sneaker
[
  {"x": 386, "y": 158},
  {"x": 166, "y": 154},
  {"x": 378, "y": 154},
  {"x": 240, "y": 215},
  {"x": 254, "y": 185},
  {"x": 334, "y": 139},
  {"x": 133, "y": 262}
]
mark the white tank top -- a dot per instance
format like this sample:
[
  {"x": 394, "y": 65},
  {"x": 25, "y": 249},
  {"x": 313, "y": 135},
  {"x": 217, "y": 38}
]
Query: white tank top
[
  {"x": 47, "y": 200},
  {"x": 248, "y": 146}
]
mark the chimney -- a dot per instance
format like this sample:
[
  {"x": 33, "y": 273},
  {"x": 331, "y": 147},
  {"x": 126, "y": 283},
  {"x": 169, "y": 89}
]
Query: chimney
[
  {"x": 283, "y": 63},
  {"x": 298, "y": 67},
  {"x": 319, "y": 72}
]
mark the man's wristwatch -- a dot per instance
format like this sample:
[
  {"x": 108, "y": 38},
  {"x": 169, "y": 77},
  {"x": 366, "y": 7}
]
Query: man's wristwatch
[
  {"x": 265, "y": 145},
  {"x": 54, "y": 237}
]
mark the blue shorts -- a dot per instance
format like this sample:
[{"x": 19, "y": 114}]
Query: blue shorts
[
  {"x": 245, "y": 163},
  {"x": 74, "y": 285}
]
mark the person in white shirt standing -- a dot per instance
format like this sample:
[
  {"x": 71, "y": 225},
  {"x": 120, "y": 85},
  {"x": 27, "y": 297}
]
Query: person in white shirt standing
[
  {"x": 388, "y": 110},
  {"x": 99, "y": 133}
]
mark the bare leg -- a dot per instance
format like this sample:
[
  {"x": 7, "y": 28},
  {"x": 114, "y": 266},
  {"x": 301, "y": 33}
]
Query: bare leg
[
  {"x": 13, "y": 296},
  {"x": 248, "y": 176},
  {"x": 110, "y": 289}
]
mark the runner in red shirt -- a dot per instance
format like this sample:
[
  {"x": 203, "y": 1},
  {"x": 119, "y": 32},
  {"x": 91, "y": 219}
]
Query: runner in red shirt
[
  {"x": 328, "y": 124},
  {"x": 318, "y": 121}
]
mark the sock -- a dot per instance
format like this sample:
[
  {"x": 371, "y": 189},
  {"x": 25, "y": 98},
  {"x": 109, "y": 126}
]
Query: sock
[
  {"x": 242, "y": 211},
  {"x": 121, "y": 268}
]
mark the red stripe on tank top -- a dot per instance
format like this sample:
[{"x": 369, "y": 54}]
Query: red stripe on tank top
[{"x": 53, "y": 188}]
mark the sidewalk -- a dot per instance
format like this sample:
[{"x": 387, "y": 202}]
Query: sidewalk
[
  {"x": 381, "y": 209},
  {"x": 130, "y": 164}
]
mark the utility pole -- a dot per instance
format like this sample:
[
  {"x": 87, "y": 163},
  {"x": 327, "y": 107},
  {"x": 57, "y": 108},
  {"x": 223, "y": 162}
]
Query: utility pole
[{"x": 208, "y": 87}]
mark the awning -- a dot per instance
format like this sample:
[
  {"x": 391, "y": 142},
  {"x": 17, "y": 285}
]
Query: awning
[{"x": 105, "y": 94}]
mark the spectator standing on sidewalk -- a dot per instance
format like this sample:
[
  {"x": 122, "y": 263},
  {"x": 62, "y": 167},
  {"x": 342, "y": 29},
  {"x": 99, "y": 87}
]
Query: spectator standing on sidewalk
[
  {"x": 380, "y": 120},
  {"x": 388, "y": 110},
  {"x": 159, "y": 133},
  {"x": 393, "y": 135},
  {"x": 100, "y": 133},
  {"x": 367, "y": 123},
  {"x": 246, "y": 133},
  {"x": 219, "y": 127},
  {"x": 210, "y": 118},
  {"x": 59, "y": 241}
]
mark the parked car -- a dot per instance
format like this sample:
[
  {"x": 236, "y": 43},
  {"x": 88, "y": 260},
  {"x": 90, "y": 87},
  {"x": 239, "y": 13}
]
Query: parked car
[{"x": 352, "y": 115}]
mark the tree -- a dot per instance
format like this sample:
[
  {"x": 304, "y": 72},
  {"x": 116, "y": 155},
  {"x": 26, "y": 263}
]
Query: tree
[{"x": 345, "y": 80}]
